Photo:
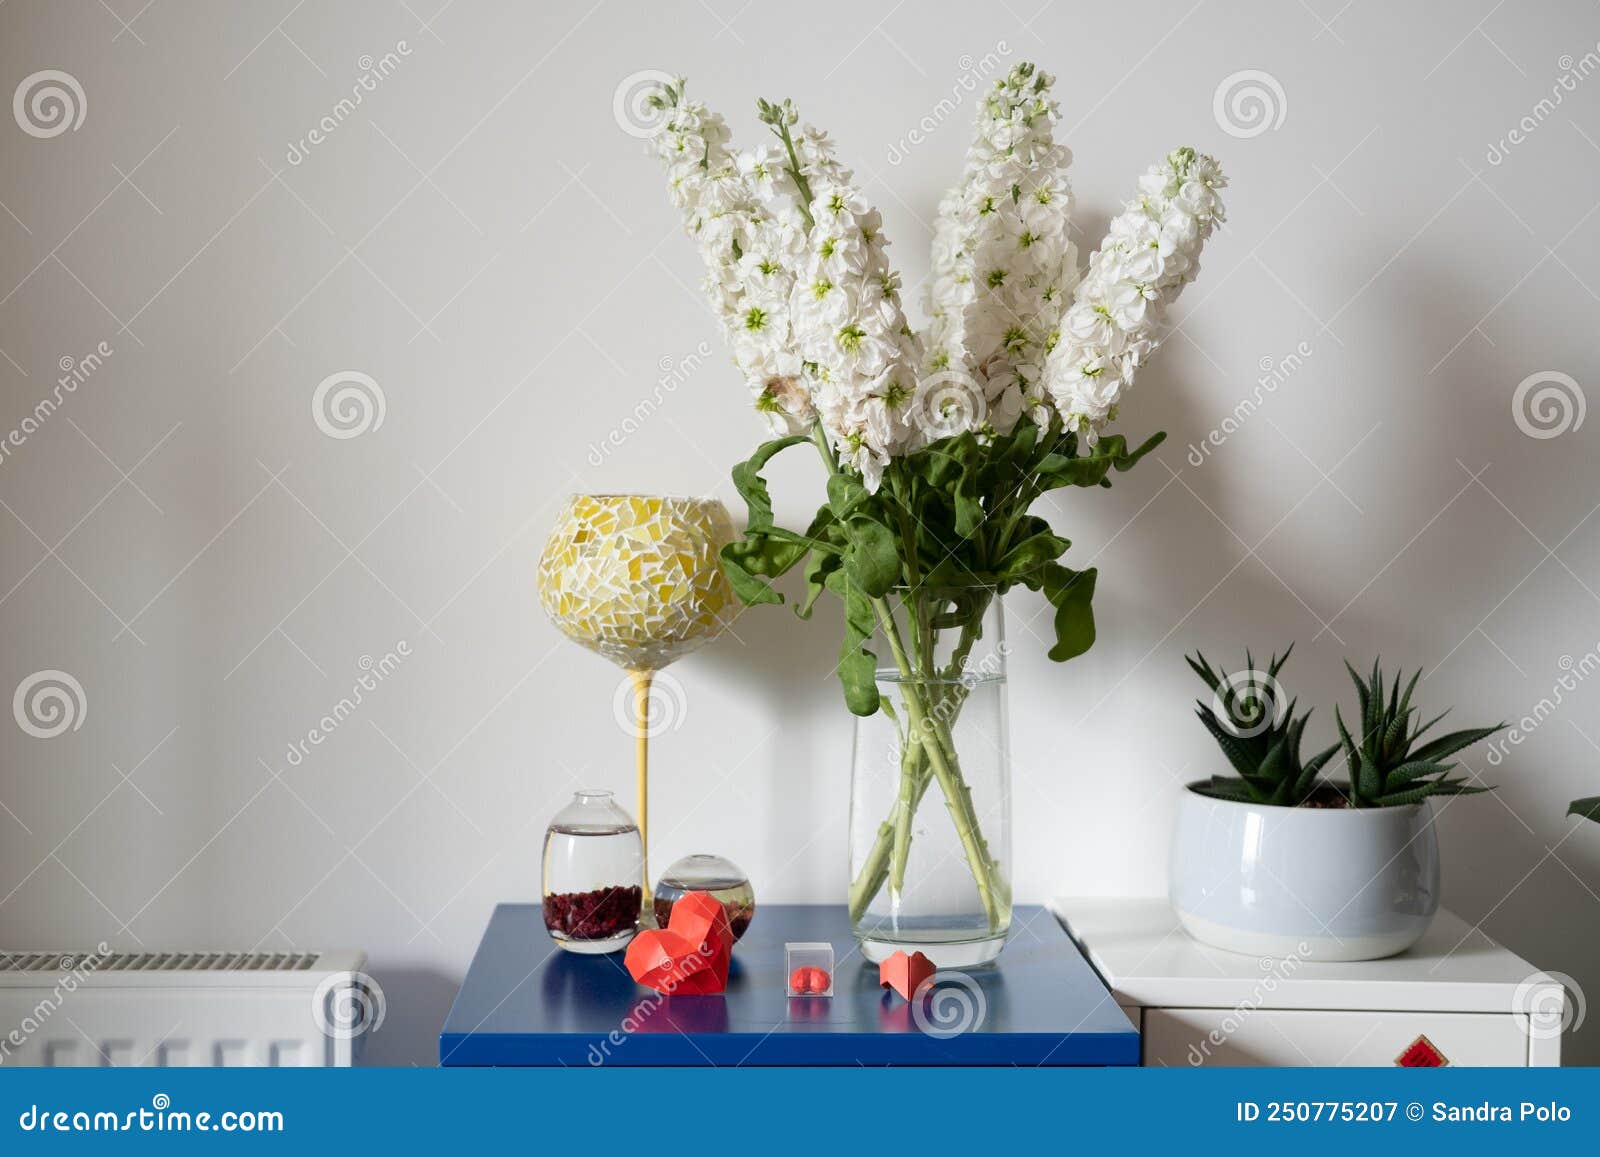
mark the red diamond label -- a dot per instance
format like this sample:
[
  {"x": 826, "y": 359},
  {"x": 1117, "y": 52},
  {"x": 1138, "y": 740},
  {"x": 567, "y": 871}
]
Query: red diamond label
[{"x": 1421, "y": 1053}]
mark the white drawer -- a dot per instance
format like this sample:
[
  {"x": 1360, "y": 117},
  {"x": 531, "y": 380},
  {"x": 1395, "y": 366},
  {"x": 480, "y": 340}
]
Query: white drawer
[{"x": 1224, "y": 1036}]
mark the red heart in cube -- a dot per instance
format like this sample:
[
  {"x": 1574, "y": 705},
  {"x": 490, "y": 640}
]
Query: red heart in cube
[{"x": 809, "y": 981}]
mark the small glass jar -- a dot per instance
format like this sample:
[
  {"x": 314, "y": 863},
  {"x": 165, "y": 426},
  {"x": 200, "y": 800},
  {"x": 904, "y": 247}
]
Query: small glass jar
[
  {"x": 724, "y": 879},
  {"x": 593, "y": 866}
]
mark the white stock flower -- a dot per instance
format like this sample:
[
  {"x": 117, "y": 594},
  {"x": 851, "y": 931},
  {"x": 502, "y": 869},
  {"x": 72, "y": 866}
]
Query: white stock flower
[
  {"x": 849, "y": 325},
  {"x": 1003, "y": 259},
  {"x": 1118, "y": 313},
  {"x": 811, "y": 308},
  {"x": 751, "y": 242}
]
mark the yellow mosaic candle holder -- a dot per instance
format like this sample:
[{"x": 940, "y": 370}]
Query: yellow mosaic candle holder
[{"x": 635, "y": 577}]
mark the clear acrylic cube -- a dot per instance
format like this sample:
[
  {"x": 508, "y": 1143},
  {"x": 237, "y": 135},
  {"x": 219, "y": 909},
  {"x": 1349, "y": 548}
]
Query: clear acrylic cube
[{"x": 808, "y": 968}]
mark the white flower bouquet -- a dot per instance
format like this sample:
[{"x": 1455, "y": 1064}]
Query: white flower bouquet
[{"x": 937, "y": 443}]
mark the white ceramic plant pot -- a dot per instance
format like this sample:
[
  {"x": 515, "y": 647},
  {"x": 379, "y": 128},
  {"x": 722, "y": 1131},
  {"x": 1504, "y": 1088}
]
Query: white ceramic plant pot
[{"x": 1310, "y": 883}]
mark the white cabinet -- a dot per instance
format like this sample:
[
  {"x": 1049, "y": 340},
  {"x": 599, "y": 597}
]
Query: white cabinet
[
  {"x": 1211, "y": 1036},
  {"x": 1456, "y": 998}
]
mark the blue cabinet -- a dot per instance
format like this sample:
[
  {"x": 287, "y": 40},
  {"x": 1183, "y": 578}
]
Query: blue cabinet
[{"x": 526, "y": 1002}]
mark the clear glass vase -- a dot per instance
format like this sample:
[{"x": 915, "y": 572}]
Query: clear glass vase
[
  {"x": 930, "y": 801},
  {"x": 593, "y": 872}
]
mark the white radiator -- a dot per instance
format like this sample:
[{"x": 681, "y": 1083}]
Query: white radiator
[{"x": 171, "y": 1009}]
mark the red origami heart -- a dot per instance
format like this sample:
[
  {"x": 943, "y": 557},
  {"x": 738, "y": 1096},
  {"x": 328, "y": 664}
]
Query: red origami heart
[
  {"x": 905, "y": 974},
  {"x": 690, "y": 956}
]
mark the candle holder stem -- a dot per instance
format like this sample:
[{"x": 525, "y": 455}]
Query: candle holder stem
[{"x": 641, "y": 719}]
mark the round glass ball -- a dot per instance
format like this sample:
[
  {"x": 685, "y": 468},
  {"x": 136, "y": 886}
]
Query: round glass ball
[{"x": 723, "y": 879}]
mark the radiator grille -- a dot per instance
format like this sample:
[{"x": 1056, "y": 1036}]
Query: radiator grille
[{"x": 158, "y": 961}]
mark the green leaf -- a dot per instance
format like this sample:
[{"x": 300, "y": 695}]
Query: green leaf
[
  {"x": 1428, "y": 726},
  {"x": 1007, "y": 461},
  {"x": 1410, "y": 796},
  {"x": 753, "y": 488},
  {"x": 1458, "y": 786},
  {"x": 1058, "y": 469},
  {"x": 1238, "y": 753},
  {"x": 823, "y": 561},
  {"x": 1039, "y": 547},
  {"x": 1125, "y": 462},
  {"x": 1588, "y": 808},
  {"x": 1225, "y": 787},
  {"x": 1351, "y": 753},
  {"x": 1320, "y": 759},
  {"x": 1453, "y": 742},
  {"x": 1201, "y": 667},
  {"x": 1071, "y": 592},
  {"x": 872, "y": 559},
  {"x": 758, "y": 554},
  {"x": 858, "y": 666},
  {"x": 1415, "y": 769},
  {"x": 1275, "y": 664},
  {"x": 819, "y": 566},
  {"x": 1362, "y": 695},
  {"x": 845, "y": 495},
  {"x": 1364, "y": 780}
]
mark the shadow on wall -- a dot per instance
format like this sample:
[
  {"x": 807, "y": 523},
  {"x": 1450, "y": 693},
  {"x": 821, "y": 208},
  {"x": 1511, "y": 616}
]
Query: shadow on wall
[
  {"x": 1545, "y": 919},
  {"x": 1508, "y": 867},
  {"x": 416, "y": 1003},
  {"x": 785, "y": 668}
]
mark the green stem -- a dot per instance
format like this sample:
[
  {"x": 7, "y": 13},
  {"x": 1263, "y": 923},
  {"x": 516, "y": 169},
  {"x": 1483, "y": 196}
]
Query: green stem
[
  {"x": 795, "y": 171},
  {"x": 913, "y": 783},
  {"x": 958, "y": 797},
  {"x": 886, "y": 860},
  {"x": 874, "y": 870}
]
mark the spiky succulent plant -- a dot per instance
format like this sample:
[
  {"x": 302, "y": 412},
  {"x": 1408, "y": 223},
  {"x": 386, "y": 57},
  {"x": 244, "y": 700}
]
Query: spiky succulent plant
[
  {"x": 1587, "y": 808},
  {"x": 1259, "y": 733},
  {"x": 1387, "y": 766}
]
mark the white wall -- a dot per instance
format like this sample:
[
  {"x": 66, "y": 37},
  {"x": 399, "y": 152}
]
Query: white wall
[{"x": 481, "y": 238}]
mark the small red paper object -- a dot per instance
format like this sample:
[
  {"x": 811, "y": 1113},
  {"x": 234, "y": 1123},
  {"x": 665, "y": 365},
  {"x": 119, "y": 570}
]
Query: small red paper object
[
  {"x": 905, "y": 973},
  {"x": 690, "y": 956},
  {"x": 809, "y": 981}
]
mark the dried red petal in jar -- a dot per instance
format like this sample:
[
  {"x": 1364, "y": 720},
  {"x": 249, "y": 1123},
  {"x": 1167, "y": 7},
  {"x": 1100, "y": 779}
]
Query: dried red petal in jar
[{"x": 596, "y": 915}]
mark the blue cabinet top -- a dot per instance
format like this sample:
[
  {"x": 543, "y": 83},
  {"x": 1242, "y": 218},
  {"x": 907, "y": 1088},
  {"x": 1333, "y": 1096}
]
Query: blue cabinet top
[{"x": 526, "y": 1002}]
